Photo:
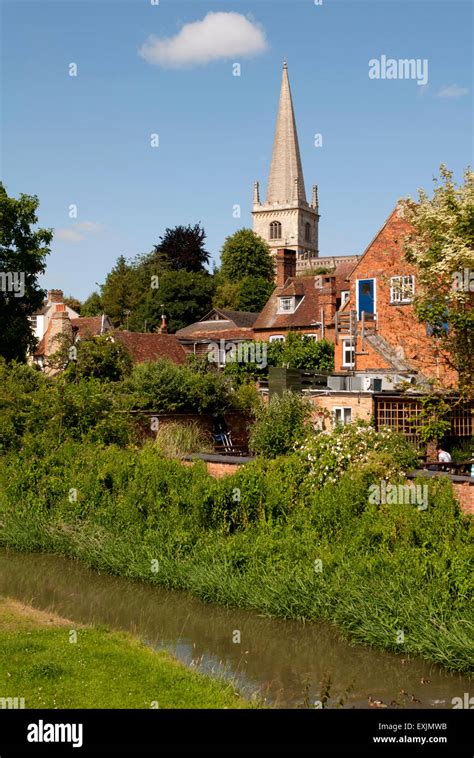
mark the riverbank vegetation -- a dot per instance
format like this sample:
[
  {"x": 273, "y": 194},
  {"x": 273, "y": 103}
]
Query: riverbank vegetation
[
  {"x": 293, "y": 534},
  {"x": 267, "y": 538},
  {"x": 51, "y": 663}
]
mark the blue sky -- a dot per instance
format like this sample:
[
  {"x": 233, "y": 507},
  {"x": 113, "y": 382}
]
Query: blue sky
[{"x": 85, "y": 140}]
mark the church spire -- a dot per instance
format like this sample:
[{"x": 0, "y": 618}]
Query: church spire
[{"x": 286, "y": 173}]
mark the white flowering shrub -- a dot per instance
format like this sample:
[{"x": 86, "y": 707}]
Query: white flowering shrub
[{"x": 329, "y": 454}]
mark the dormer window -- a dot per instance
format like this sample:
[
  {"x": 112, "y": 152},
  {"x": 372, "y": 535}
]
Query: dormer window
[
  {"x": 275, "y": 230},
  {"x": 286, "y": 305}
]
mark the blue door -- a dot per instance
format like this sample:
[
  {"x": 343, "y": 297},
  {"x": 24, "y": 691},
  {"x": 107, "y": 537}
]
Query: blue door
[{"x": 366, "y": 296}]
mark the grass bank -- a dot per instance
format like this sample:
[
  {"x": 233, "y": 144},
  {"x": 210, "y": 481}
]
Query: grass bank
[
  {"x": 101, "y": 669},
  {"x": 392, "y": 576}
]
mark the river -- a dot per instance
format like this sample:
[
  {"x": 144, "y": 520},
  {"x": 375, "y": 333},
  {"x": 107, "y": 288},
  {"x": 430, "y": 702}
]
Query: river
[{"x": 283, "y": 662}]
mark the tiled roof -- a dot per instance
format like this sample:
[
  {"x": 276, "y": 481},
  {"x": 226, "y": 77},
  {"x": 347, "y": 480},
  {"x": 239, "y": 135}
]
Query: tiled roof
[
  {"x": 151, "y": 347},
  {"x": 306, "y": 314},
  {"x": 342, "y": 272},
  {"x": 218, "y": 334},
  {"x": 240, "y": 318},
  {"x": 41, "y": 346},
  {"x": 90, "y": 326}
]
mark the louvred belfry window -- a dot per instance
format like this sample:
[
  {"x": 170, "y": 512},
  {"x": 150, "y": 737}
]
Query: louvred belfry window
[{"x": 275, "y": 230}]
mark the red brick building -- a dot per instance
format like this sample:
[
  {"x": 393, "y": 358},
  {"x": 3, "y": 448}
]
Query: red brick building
[{"x": 376, "y": 328}]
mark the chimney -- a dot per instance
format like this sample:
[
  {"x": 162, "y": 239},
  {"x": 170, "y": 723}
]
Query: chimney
[
  {"x": 285, "y": 266},
  {"x": 55, "y": 296},
  {"x": 59, "y": 326},
  {"x": 163, "y": 327},
  {"x": 326, "y": 284}
]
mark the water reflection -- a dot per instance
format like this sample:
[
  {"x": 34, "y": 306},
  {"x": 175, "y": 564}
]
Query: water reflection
[{"x": 275, "y": 658}]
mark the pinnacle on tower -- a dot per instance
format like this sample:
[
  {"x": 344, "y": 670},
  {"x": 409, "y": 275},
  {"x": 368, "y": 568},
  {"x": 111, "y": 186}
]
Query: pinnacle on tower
[
  {"x": 256, "y": 193},
  {"x": 286, "y": 168}
]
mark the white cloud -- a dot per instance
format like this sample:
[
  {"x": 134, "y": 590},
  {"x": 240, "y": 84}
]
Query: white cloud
[
  {"x": 218, "y": 36},
  {"x": 77, "y": 232},
  {"x": 453, "y": 91}
]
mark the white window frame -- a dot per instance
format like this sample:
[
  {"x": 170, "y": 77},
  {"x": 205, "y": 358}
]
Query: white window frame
[
  {"x": 342, "y": 411},
  {"x": 276, "y": 338},
  {"x": 348, "y": 344},
  {"x": 345, "y": 296},
  {"x": 290, "y": 300},
  {"x": 398, "y": 284},
  {"x": 314, "y": 337}
]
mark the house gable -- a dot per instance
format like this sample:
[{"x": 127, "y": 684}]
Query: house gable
[{"x": 403, "y": 340}]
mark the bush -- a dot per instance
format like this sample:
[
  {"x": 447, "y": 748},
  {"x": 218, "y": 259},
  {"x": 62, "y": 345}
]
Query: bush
[
  {"x": 252, "y": 539},
  {"x": 357, "y": 446},
  {"x": 42, "y": 411},
  {"x": 299, "y": 351},
  {"x": 280, "y": 426},
  {"x": 164, "y": 387},
  {"x": 98, "y": 358}
]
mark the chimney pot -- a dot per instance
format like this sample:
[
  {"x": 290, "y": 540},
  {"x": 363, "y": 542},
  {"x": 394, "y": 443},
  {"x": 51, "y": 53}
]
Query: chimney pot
[{"x": 55, "y": 296}]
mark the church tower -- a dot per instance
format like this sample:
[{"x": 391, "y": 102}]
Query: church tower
[{"x": 286, "y": 219}]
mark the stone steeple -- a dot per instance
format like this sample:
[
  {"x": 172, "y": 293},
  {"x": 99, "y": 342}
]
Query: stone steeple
[
  {"x": 286, "y": 219},
  {"x": 286, "y": 170}
]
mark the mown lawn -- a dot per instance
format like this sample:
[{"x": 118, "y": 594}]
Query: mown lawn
[{"x": 102, "y": 669}]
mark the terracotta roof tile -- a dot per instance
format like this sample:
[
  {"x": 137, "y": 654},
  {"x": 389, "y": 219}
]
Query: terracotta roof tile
[
  {"x": 226, "y": 334},
  {"x": 90, "y": 326},
  {"x": 151, "y": 347},
  {"x": 306, "y": 314},
  {"x": 41, "y": 347}
]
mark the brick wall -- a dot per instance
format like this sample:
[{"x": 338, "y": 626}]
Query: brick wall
[
  {"x": 237, "y": 424},
  {"x": 464, "y": 492},
  {"x": 361, "y": 405},
  {"x": 219, "y": 470},
  {"x": 398, "y": 324}
]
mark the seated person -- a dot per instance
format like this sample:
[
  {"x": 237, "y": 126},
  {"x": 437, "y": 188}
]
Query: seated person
[{"x": 443, "y": 457}]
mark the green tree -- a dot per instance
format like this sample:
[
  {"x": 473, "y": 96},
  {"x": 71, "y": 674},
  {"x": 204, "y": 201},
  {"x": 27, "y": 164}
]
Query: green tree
[
  {"x": 99, "y": 358},
  {"x": 227, "y": 295},
  {"x": 73, "y": 303},
  {"x": 92, "y": 306},
  {"x": 162, "y": 386},
  {"x": 181, "y": 249},
  {"x": 300, "y": 351},
  {"x": 254, "y": 293},
  {"x": 246, "y": 254},
  {"x": 248, "y": 294},
  {"x": 121, "y": 292},
  {"x": 183, "y": 296},
  {"x": 441, "y": 246},
  {"x": 22, "y": 258}
]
